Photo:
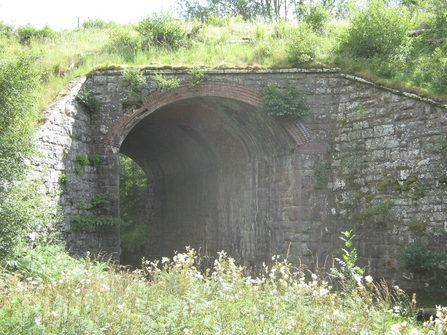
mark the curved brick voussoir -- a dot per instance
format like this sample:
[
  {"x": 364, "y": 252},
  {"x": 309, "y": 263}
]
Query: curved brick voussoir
[{"x": 185, "y": 91}]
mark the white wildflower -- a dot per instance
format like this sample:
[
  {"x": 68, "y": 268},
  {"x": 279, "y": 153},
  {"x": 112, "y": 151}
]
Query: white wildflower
[
  {"x": 323, "y": 292},
  {"x": 369, "y": 279},
  {"x": 395, "y": 328}
]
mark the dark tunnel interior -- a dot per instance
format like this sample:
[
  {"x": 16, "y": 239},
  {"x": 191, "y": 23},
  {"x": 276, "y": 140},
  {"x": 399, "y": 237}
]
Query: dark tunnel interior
[{"x": 200, "y": 156}]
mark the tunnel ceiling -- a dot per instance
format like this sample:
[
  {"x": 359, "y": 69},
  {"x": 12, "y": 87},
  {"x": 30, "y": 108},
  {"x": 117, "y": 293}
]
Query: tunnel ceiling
[{"x": 197, "y": 134}]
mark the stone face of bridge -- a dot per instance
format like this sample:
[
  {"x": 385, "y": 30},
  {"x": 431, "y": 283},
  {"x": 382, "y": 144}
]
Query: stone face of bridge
[{"x": 223, "y": 175}]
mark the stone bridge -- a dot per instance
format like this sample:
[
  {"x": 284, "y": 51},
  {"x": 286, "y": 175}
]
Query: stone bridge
[{"x": 223, "y": 175}]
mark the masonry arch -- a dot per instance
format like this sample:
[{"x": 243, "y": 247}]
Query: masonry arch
[{"x": 208, "y": 155}]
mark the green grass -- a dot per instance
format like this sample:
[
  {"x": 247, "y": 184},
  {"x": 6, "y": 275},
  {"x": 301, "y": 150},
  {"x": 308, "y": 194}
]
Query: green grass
[
  {"x": 55, "y": 294},
  {"x": 265, "y": 46}
]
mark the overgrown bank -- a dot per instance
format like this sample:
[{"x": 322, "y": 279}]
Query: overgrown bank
[{"x": 54, "y": 294}]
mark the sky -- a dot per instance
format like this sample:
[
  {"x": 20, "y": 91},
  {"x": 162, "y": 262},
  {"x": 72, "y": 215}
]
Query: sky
[{"x": 60, "y": 14}]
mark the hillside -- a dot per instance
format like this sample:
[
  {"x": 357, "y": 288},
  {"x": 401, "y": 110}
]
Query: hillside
[{"x": 398, "y": 46}]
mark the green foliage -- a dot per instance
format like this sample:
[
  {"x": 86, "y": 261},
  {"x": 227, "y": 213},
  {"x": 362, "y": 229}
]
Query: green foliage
[
  {"x": 82, "y": 161},
  {"x": 93, "y": 159},
  {"x": 164, "y": 83},
  {"x": 96, "y": 213},
  {"x": 301, "y": 44},
  {"x": 91, "y": 103},
  {"x": 161, "y": 29},
  {"x": 417, "y": 258},
  {"x": 216, "y": 21},
  {"x": 316, "y": 16},
  {"x": 136, "y": 81},
  {"x": 63, "y": 178},
  {"x": 22, "y": 203},
  {"x": 287, "y": 101},
  {"x": 431, "y": 69},
  {"x": 349, "y": 275},
  {"x": 381, "y": 214},
  {"x": 18, "y": 85},
  {"x": 27, "y": 33},
  {"x": 197, "y": 76},
  {"x": 91, "y": 221},
  {"x": 173, "y": 296},
  {"x": 124, "y": 41},
  {"x": 6, "y": 30},
  {"x": 97, "y": 24},
  {"x": 378, "y": 30},
  {"x": 133, "y": 197}
]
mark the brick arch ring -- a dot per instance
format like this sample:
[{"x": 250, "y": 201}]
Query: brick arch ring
[{"x": 118, "y": 132}]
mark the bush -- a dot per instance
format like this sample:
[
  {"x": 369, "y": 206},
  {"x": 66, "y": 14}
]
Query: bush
[
  {"x": 27, "y": 33},
  {"x": 96, "y": 24},
  {"x": 420, "y": 260},
  {"x": 316, "y": 17},
  {"x": 283, "y": 101},
  {"x": 162, "y": 30},
  {"x": 301, "y": 44},
  {"x": 135, "y": 79},
  {"x": 123, "y": 39},
  {"x": 378, "y": 30},
  {"x": 5, "y": 29},
  {"x": 90, "y": 102}
]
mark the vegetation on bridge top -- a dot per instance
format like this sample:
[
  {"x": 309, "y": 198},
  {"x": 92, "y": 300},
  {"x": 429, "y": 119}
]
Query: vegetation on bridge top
[{"x": 399, "y": 43}]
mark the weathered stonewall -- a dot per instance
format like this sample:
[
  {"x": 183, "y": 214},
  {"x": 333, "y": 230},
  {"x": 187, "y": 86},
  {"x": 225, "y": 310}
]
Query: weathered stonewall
[{"x": 223, "y": 175}]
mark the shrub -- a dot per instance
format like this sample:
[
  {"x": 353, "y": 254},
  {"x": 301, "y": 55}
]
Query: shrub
[
  {"x": 5, "y": 29},
  {"x": 284, "y": 101},
  {"x": 96, "y": 213},
  {"x": 417, "y": 258},
  {"x": 213, "y": 20},
  {"x": 432, "y": 70},
  {"x": 123, "y": 39},
  {"x": 164, "y": 83},
  {"x": 135, "y": 80},
  {"x": 378, "y": 30},
  {"x": 63, "y": 178},
  {"x": 316, "y": 17},
  {"x": 93, "y": 159},
  {"x": 96, "y": 24},
  {"x": 89, "y": 100},
  {"x": 22, "y": 205},
  {"x": 27, "y": 33},
  {"x": 162, "y": 30},
  {"x": 301, "y": 44}
]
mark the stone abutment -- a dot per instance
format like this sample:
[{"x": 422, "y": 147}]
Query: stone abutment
[{"x": 223, "y": 175}]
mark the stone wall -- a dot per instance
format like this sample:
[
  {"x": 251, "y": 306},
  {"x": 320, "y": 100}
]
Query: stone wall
[{"x": 225, "y": 176}]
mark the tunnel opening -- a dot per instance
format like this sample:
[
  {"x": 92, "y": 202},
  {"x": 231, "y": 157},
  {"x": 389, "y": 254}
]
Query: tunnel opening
[{"x": 207, "y": 162}]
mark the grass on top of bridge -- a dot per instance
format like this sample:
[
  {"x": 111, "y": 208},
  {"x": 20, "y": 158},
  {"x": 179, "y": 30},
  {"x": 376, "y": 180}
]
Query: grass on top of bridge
[{"x": 386, "y": 47}]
